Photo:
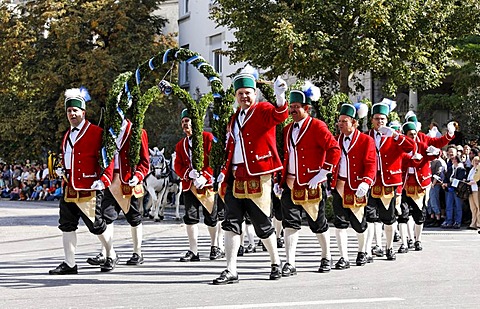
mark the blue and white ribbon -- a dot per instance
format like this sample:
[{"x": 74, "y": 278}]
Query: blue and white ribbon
[
  {"x": 104, "y": 157},
  {"x": 112, "y": 133},
  {"x": 211, "y": 79},
  {"x": 215, "y": 117},
  {"x": 120, "y": 112},
  {"x": 137, "y": 76},
  {"x": 192, "y": 59},
  {"x": 150, "y": 64},
  {"x": 165, "y": 56}
]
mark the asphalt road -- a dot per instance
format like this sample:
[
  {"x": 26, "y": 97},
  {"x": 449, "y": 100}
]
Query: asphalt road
[{"x": 444, "y": 275}]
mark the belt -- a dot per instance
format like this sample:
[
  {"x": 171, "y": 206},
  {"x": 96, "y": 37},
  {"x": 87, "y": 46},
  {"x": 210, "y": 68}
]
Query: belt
[
  {"x": 117, "y": 170},
  {"x": 342, "y": 178}
]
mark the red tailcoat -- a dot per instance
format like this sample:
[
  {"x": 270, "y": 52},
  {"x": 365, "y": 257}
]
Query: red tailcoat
[
  {"x": 257, "y": 139},
  {"x": 85, "y": 156},
  {"x": 438, "y": 142},
  {"x": 315, "y": 148},
  {"x": 141, "y": 170},
  {"x": 361, "y": 161},
  {"x": 390, "y": 158},
  {"x": 422, "y": 175},
  {"x": 183, "y": 163}
]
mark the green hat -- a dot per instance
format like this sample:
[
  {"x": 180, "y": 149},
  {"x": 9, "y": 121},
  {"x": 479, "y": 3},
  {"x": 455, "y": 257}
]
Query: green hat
[
  {"x": 297, "y": 96},
  {"x": 408, "y": 126},
  {"x": 395, "y": 125},
  {"x": 380, "y": 108},
  {"x": 348, "y": 110},
  {"x": 244, "y": 80},
  {"x": 184, "y": 114},
  {"x": 76, "y": 97},
  {"x": 411, "y": 117}
]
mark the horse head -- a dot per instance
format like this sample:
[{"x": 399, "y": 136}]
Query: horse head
[{"x": 158, "y": 163}]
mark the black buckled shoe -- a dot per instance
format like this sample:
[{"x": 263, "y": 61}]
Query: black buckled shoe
[
  {"x": 288, "y": 270},
  {"x": 280, "y": 242},
  {"x": 216, "y": 253},
  {"x": 98, "y": 260},
  {"x": 226, "y": 277},
  {"x": 396, "y": 237},
  {"x": 241, "y": 251},
  {"x": 135, "y": 259},
  {"x": 325, "y": 265},
  {"x": 64, "y": 269},
  {"x": 250, "y": 249},
  {"x": 342, "y": 264},
  {"x": 275, "y": 272},
  {"x": 418, "y": 246},
  {"x": 403, "y": 249},
  {"x": 361, "y": 259},
  {"x": 190, "y": 257},
  {"x": 377, "y": 251},
  {"x": 391, "y": 256},
  {"x": 410, "y": 244},
  {"x": 109, "y": 264}
]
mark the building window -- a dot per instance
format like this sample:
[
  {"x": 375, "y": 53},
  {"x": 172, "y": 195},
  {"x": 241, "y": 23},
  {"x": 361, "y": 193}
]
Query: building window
[
  {"x": 217, "y": 60},
  {"x": 184, "y": 77},
  {"x": 186, "y": 7}
]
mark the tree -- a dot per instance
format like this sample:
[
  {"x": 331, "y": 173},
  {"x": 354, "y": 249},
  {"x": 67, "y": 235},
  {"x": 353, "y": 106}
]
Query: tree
[
  {"x": 50, "y": 46},
  {"x": 406, "y": 42}
]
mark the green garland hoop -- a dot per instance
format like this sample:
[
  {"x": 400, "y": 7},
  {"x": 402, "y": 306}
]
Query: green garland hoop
[{"x": 221, "y": 102}]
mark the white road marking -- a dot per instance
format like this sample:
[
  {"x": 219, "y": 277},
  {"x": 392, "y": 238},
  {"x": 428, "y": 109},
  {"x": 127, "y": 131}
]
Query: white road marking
[{"x": 302, "y": 303}]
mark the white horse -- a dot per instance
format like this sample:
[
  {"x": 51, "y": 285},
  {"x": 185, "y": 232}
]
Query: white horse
[{"x": 160, "y": 182}]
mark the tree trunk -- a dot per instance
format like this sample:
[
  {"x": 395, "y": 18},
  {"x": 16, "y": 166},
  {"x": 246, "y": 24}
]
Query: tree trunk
[{"x": 344, "y": 78}]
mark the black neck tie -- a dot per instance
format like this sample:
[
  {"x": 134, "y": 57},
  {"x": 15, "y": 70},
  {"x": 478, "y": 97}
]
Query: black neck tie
[
  {"x": 347, "y": 138},
  {"x": 379, "y": 134},
  {"x": 242, "y": 113},
  {"x": 295, "y": 125},
  {"x": 75, "y": 129}
]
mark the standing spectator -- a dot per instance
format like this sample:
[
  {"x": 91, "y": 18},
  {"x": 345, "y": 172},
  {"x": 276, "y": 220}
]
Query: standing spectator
[
  {"x": 439, "y": 168},
  {"x": 473, "y": 198},
  {"x": 454, "y": 204}
]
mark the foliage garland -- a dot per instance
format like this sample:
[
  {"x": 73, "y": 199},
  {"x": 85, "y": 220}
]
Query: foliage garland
[{"x": 220, "y": 104}]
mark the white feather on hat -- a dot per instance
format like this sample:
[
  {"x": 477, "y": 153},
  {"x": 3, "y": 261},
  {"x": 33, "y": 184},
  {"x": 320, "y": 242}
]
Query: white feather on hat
[{"x": 311, "y": 91}]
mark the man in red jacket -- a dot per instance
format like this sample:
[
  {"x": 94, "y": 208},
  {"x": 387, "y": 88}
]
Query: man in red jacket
[
  {"x": 246, "y": 178},
  {"x": 197, "y": 192},
  {"x": 120, "y": 196},
  {"x": 310, "y": 153},
  {"x": 390, "y": 146},
  {"x": 81, "y": 152},
  {"x": 352, "y": 178}
]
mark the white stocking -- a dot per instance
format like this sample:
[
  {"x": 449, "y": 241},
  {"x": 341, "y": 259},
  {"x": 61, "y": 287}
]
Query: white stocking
[
  {"x": 324, "y": 241},
  {"x": 291, "y": 240},
  {"x": 69, "y": 245},
  {"x": 342, "y": 241},
  {"x": 192, "y": 233},
  {"x": 232, "y": 243}
]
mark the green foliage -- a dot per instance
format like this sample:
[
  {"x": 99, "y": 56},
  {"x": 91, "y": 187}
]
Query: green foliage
[
  {"x": 407, "y": 42},
  {"x": 49, "y": 46}
]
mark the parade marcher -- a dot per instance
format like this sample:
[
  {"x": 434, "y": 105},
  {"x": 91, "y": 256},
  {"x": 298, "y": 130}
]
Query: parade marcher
[
  {"x": 81, "y": 153},
  {"x": 310, "y": 153},
  {"x": 390, "y": 145},
  {"x": 416, "y": 179},
  {"x": 119, "y": 196},
  {"x": 246, "y": 178},
  {"x": 197, "y": 191},
  {"x": 352, "y": 178},
  {"x": 417, "y": 189}
]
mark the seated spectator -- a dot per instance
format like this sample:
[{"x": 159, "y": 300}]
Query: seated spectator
[
  {"x": 25, "y": 192},
  {"x": 45, "y": 192},
  {"x": 36, "y": 191},
  {"x": 56, "y": 195},
  {"x": 5, "y": 193},
  {"x": 15, "y": 194}
]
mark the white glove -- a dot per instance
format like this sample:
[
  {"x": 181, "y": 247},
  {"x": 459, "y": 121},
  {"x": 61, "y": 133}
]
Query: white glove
[
  {"x": 279, "y": 88},
  {"x": 277, "y": 190},
  {"x": 200, "y": 182},
  {"x": 97, "y": 185},
  {"x": 432, "y": 151},
  {"x": 134, "y": 181},
  {"x": 451, "y": 128},
  {"x": 319, "y": 178},
  {"x": 417, "y": 156},
  {"x": 362, "y": 189},
  {"x": 220, "y": 178},
  {"x": 387, "y": 131},
  {"x": 193, "y": 174},
  {"x": 59, "y": 172}
]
